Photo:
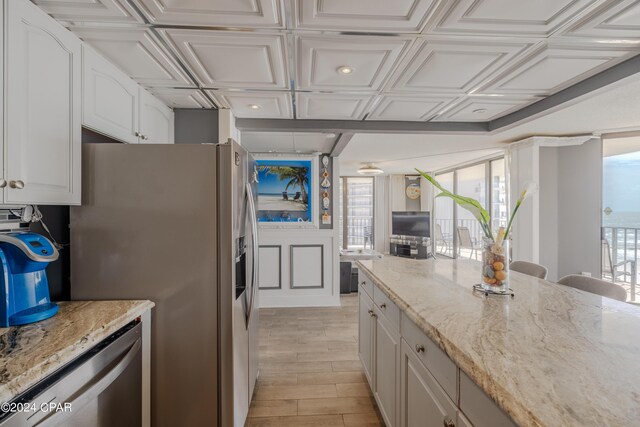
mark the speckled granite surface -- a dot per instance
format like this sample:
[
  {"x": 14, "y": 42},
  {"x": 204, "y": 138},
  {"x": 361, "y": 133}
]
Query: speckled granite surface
[
  {"x": 31, "y": 352},
  {"x": 551, "y": 356}
]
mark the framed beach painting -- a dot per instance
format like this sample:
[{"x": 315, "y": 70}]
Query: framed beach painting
[{"x": 286, "y": 191}]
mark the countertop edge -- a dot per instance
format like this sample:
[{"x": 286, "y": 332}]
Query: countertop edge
[
  {"x": 48, "y": 366},
  {"x": 506, "y": 401}
]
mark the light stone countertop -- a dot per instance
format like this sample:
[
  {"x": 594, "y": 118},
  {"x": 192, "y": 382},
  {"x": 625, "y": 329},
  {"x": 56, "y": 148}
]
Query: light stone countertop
[
  {"x": 551, "y": 356},
  {"x": 29, "y": 353}
]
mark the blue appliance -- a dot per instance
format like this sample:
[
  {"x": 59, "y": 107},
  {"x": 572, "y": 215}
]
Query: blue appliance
[{"x": 24, "y": 288}]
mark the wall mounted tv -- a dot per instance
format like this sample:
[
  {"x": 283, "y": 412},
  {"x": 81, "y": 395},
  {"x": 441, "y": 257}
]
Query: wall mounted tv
[{"x": 416, "y": 224}]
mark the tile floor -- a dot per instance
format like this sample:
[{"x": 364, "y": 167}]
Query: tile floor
[{"x": 310, "y": 374}]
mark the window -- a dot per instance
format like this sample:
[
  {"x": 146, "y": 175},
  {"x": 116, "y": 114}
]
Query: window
[
  {"x": 457, "y": 232},
  {"x": 356, "y": 212},
  {"x": 444, "y": 207}
]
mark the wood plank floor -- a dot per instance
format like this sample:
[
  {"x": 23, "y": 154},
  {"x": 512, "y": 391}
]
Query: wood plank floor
[{"x": 310, "y": 374}]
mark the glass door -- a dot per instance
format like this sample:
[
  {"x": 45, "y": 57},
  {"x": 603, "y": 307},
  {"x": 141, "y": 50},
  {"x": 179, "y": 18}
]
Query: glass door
[
  {"x": 621, "y": 212},
  {"x": 444, "y": 218}
]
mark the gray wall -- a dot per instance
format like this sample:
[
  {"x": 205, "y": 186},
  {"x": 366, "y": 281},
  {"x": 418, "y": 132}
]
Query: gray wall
[
  {"x": 548, "y": 184},
  {"x": 570, "y": 209},
  {"x": 579, "y": 208},
  {"x": 196, "y": 126}
]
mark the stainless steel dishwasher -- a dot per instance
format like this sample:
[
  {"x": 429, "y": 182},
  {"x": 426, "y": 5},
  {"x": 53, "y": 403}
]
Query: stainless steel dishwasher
[{"x": 102, "y": 387}]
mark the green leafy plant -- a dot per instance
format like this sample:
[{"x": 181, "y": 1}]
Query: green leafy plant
[{"x": 476, "y": 209}]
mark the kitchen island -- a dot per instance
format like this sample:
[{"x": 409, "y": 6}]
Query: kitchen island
[
  {"x": 32, "y": 352},
  {"x": 549, "y": 356}
]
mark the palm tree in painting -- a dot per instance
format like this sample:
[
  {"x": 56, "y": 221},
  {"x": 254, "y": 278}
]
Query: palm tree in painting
[{"x": 297, "y": 176}]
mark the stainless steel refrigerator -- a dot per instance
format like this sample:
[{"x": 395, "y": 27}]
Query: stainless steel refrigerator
[{"x": 176, "y": 224}]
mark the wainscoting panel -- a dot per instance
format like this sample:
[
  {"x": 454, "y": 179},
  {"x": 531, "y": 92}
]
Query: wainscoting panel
[
  {"x": 307, "y": 266},
  {"x": 270, "y": 267}
]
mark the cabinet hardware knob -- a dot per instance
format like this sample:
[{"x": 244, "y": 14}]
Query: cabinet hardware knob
[
  {"x": 363, "y": 283},
  {"x": 383, "y": 305},
  {"x": 370, "y": 312},
  {"x": 145, "y": 137},
  {"x": 138, "y": 134},
  {"x": 3, "y": 183},
  {"x": 18, "y": 184},
  {"x": 447, "y": 422},
  {"x": 419, "y": 348}
]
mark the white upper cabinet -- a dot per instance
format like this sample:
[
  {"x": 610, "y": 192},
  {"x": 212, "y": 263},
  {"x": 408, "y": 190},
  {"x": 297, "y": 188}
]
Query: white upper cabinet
[
  {"x": 156, "y": 120},
  {"x": 117, "y": 106},
  {"x": 110, "y": 98},
  {"x": 42, "y": 108}
]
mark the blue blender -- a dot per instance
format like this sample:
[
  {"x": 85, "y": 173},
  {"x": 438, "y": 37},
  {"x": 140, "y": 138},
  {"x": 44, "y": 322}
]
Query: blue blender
[{"x": 24, "y": 288}]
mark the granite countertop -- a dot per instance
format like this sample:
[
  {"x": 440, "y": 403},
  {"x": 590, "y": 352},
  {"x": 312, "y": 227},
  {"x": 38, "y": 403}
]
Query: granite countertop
[
  {"x": 31, "y": 352},
  {"x": 551, "y": 356},
  {"x": 354, "y": 255}
]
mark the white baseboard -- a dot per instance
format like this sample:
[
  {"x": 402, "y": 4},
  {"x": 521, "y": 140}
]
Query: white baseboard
[{"x": 278, "y": 300}]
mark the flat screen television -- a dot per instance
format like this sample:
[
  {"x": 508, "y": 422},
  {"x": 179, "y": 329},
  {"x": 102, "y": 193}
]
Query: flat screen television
[{"x": 411, "y": 224}]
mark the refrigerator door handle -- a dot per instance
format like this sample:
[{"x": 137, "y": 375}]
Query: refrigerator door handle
[{"x": 254, "y": 248}]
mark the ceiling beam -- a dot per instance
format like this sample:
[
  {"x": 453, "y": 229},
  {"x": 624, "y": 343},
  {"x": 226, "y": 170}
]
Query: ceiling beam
[
  {"x": 340, "y": 144},
  {"x": 590, "y": 85},
  {"x": 357, "y": 126}
]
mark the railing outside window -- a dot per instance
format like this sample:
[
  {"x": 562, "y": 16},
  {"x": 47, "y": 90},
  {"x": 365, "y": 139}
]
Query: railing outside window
[{"x": 357, "y": 195}]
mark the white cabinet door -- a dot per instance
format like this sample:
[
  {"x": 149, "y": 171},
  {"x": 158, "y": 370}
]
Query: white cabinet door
[
  {"x": 366, "y": 329},
  {"x": 110, "y": 98},
  {"x": 423, "y": 403},
  {"x": 43, "y": 108},
  {"x": 3, "y": 181},
  {"x": 156, "y": 120},
  {"x": 387, "y": 355}
]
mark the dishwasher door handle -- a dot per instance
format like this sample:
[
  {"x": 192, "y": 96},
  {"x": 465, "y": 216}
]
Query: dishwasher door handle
[{"x": 94, "y": 391}]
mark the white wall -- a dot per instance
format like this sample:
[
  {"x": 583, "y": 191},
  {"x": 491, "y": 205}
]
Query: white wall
[{"x": 308, "y": 264}]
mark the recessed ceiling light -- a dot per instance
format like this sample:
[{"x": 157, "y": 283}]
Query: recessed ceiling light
[
  {"x": 255, "y": 106},
  {"x": 370, "y": 169},
  {"x": 330, "y": 135},
  {"x": 479, "y": 111},
  {"x": 345, "y": 70}
]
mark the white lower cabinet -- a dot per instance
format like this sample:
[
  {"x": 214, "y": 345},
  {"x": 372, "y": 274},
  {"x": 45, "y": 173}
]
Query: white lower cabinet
[
  {"x": 387, "y": 354},
  {"x": 366, "y": 330},
  {"x": 414, "y": 382},
  {"x": 423, "y": 402}
]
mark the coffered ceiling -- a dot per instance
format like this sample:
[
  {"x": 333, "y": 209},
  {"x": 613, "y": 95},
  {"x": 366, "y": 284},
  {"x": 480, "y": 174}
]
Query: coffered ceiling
[{"x": 401, "y": 60}]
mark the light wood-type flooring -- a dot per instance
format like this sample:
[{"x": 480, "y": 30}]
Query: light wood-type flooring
[{"x": 310, "y": 374}]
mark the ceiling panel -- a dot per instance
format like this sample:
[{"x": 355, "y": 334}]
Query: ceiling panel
[
  {"x": 138, "y": 53},
  {"x": 214, "y": 13},
  {"x": 371, "y": 58},
  {"x": 409, "y": 108},
  {"x": 225, "y": 59},
  {"x": 182, "y": 98},
  {"x": 454, "y": 66},
  {"x": 483, "y": 108},
  {"x": 255, "y": 105},
  {"x": 91, "y": 10},
  {"x": 615, "y": 19},
  {"x": 405, "y": 16},
  {"x": 331, "y": 106},
  {"x": 555, "y": 66},
  {"x": 287, "y": 142},
  {"x": 508, "y": 17}
]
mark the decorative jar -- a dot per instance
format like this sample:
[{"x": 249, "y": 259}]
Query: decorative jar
[{"x": 495, "y": 265}]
